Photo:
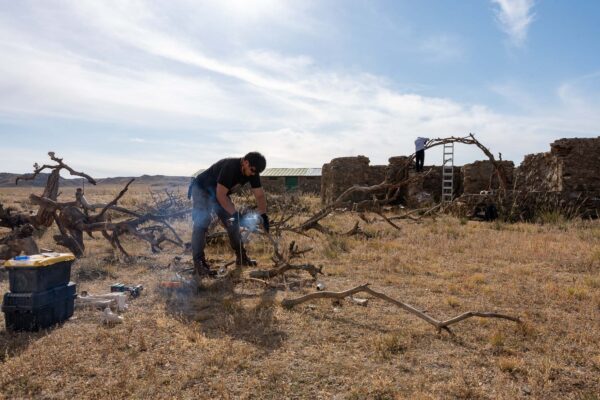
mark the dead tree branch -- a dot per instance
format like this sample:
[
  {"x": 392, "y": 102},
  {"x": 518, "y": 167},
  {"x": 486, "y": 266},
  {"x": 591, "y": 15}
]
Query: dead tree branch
[
  {"x": 438, "y": 324},
  {"x": 389, "y": 221},
  {"x": 357, "y": 230},
  {"x": 470, "y": 140},
  {"x": 72, "y": 222},
  {"x": 114, "y": 201},
  {"x": 37, "y": 170},
  {"x": 12, "y": 220},
  {"x": 342, "y": 201},
  {"x": 390, "y": 187},
  {"x": 18, "y": 241},
  {"x": 282, "y": 262}
]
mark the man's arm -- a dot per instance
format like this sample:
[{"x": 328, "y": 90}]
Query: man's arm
[
  {"x": 224, "y": 200},
  {"x": 261, "y": 199}
]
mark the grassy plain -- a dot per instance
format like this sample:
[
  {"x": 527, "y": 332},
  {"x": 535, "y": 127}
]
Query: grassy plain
[{"x": 233, "y": 340}]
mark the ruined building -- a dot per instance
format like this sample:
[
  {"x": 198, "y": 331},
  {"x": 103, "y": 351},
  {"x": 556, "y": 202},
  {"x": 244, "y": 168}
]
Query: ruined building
[
  {"x": 571, "y": 168},
  {"x": 341, "y": 173},
  {"x": 280, "y": 180},
  {"x": 481, "y": 175}
]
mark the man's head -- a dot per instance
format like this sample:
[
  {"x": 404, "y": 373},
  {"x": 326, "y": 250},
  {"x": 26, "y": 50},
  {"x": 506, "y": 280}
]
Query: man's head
[{"x": 253, "y": 163}]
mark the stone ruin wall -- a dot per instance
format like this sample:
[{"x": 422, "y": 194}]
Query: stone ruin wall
[
  {"x": 539, "y": 172},
  {"x": 579, "y": 164},
  {"x": 432, "y": 183},
  {"x": 397, "y": 171},
  {"x": 376, "y": 174},
  {"x": 428, "y": 190},
  {"x": 572, "y": 166},
  {"x": 476, "y": 176},
  {"x": 340, "y": 174}
]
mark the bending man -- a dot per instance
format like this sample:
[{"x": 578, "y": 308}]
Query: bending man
[{"x": 210, "y": 192}]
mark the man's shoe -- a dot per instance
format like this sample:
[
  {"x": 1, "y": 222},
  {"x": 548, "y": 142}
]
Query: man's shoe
[
  {"x": 203, "y": 270},
  {"x": 245, "y": 262}
]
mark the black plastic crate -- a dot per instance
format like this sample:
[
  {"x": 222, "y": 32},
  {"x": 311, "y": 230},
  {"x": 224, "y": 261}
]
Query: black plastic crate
[
  {"x": 35, "y": 311},
  {"x": 38, "y": 279},
  {"x": 39, "y": 299}
]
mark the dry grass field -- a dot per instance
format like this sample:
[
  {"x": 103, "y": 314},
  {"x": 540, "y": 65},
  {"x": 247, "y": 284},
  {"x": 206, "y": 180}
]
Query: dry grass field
[{"x": 232, "y": 340}]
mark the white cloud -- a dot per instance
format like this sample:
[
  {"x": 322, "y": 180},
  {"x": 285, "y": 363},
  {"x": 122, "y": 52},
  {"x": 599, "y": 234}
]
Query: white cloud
[
  {"x": 515, "y": 17},
  {"x": 143, "y": 72}
]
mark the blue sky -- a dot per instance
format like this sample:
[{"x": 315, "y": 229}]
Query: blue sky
[{"x": 167, "y": 87}]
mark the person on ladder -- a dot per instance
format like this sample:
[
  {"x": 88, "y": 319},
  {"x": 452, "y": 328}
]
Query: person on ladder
[{"x": 210, "y": 193}]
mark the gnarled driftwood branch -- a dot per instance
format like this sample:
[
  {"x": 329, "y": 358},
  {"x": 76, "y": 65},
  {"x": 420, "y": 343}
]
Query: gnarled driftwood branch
[{"x": 444, "y": 324}]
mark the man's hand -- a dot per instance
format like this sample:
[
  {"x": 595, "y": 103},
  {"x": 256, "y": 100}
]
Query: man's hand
[
  {"x": 234, "y": 219},
  {"x": 266, "y": 224}
]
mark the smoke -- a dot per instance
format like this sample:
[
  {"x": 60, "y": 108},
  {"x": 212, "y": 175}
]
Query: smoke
[{"x": 251, "y": 221}]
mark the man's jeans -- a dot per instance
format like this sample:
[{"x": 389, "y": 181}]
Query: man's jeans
[{"x": 204, "y": 204}]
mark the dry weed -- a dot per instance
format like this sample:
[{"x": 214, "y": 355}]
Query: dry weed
[{"x": 234, "y": 341}]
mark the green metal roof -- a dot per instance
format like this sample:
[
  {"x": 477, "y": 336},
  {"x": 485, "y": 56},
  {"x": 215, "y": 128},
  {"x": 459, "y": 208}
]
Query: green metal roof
[
  {"x": 291, "y": 172},
  {"x": 284, "y": 172}
]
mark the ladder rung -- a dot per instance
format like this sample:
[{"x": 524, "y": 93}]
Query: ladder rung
[{"x": 448, "y": 172}]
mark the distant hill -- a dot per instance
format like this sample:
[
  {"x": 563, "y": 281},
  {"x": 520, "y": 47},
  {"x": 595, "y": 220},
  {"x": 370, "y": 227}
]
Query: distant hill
[{"x": 8, "y": 180}]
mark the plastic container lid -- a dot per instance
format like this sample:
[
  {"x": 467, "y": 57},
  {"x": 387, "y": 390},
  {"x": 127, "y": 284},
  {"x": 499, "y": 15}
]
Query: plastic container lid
[{"x": 39, "y": 260}]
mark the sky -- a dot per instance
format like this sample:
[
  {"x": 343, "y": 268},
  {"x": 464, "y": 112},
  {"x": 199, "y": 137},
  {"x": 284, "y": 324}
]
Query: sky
[{"x": 125, "y": 88}]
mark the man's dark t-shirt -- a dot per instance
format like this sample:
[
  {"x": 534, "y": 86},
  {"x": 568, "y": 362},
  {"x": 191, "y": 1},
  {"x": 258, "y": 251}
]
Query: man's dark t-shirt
[{"x": 227, "y": 172}]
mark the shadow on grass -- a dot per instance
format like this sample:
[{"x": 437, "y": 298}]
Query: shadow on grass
[
  {"x": 221, "y": 310},
  {"x": 12, "y": 344}
]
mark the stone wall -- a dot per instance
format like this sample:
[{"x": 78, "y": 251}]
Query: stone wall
[
  {"x": 397, "y": 169},
  {"x": 340, "y": 174},
  {"x": 432, "y": 182},
  {"x": 429, "y": 189},
  {"x": 376, "y": 174},
  {"x": 579, "y": 163},
  {"x": 476, "y": 176},
  {"x": 539, "y": 172},
  {"x": 571, "y": 166}
]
